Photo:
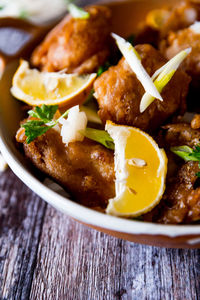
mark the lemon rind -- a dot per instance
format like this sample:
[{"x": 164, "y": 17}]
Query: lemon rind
[{"x": 17, "y": 92}]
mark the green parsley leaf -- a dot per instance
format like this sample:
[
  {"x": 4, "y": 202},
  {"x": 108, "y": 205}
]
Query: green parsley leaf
[
  {"x": 100, "y": 136},
  {"x": 44, "y": 122},
  {"x": 188, "y": 154},
  {"x": 44, "y": 113},
  {"x": 103, "y": 68},
  {"x": 33, "y": 129},
  {"x": 77, "y": 12}
]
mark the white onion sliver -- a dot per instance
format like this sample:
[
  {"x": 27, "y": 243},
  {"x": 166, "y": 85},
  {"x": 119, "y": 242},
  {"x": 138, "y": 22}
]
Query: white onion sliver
[{"x": 134, "y": 62}]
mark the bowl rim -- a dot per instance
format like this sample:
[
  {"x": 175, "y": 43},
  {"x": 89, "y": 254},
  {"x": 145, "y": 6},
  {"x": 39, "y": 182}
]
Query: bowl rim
[{"x": 87, "y": 215}]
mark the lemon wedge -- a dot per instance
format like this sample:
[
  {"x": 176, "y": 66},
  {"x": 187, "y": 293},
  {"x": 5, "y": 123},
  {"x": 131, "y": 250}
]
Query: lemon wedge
[
  {"x": 157, "y": 18},
  {"x": 36, "y": 88},
  {"x": 140, "y": 171}
]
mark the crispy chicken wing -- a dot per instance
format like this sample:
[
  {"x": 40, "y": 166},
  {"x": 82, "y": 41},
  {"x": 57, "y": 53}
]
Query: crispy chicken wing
[
  {"x": 77, "y": 45},
  {"x": 85, "y": 169},
  {"x": 119, "y": 92}
]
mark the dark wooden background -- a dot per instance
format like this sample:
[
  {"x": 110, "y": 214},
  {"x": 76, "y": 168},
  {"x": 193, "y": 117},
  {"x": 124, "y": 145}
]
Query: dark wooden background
[{"x": 46, "y": 255}]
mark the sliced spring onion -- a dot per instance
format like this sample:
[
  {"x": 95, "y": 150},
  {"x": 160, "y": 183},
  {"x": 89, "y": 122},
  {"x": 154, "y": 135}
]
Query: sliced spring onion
[
  {"x": 100, "y": 136},
  {"x": 185, "y": 152},
  {"x": 134, "y": 61},
  {"x": 91, "y": 114},
  {"x": 77, "y": 12},
  {"x": 164, "y": 75}
]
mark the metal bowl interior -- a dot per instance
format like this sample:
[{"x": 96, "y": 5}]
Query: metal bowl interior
[{"x": 11, "y": 113}]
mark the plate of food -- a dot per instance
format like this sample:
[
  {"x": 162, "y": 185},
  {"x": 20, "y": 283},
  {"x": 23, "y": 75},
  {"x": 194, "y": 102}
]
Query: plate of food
[{"x": 100, "y": 118}]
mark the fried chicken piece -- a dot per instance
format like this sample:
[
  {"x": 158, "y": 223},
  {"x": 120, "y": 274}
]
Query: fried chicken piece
[
  {"x": 178, "y": 135},
  {"x": 171, "y": 18},
  {"x": 180, "y": 40},
  {"x": 195, "y": 124},
  {"x": 181, "y": 200},
  {"x": 85, "y": 169},
  {"x": 77, "y": 45},
  {"x": 119, "y": 92}
]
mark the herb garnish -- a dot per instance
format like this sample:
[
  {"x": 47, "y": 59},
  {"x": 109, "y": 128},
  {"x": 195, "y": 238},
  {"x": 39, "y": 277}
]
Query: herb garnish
[
  {"x": 100, "y": 136},
  {"x": 103, "y": 68},
  {"x": 188, "y": 154},
  {"x": 77, "y": 12},
  {"x": 44, "y": 121}
]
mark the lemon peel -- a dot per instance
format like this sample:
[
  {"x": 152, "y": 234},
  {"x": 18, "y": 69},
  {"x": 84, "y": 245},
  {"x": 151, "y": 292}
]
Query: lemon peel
[{"x": 36, "y": 88}]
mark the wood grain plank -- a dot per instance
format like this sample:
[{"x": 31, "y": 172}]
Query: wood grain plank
[
  {"x": 75, "y": 262},
  {"x": 66, "y": 260},
  {"x": 21, "y": 219}
]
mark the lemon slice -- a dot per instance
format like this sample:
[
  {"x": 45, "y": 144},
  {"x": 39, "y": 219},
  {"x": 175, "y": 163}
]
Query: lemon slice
[
  {"x": 36, "y": 88},
  {"x": 140, "y": 170},
  {"x": 157, "y": 18}
]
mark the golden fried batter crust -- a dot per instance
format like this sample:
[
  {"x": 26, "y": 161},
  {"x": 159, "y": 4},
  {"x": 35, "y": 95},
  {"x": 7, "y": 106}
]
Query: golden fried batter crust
[
  {"x": 119, "y": 92},
  {"x": 77, "y": 45},
  {"x": 181, "y": 200},
  {"x": 85, "y": 169},
  {"x": 180, "y": 40},
  {"x": 178, "y": 16}
]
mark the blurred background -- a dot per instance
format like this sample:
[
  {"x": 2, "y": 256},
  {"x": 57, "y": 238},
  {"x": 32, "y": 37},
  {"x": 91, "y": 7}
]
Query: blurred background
[{"x": 37, "y": 11}]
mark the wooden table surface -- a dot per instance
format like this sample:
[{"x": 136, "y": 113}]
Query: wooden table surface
[{"x": 46, "y": 255}]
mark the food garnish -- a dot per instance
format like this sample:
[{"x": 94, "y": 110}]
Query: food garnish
[
  {"x": 103, "y": 68},
  {"x": 164, "y": 75},
  {"x": 43, "y": 121},
  {"x": 188, "y": 154},
  {"x": 72, "y": 129},
  {"x": 100, "y": 136},
  {"x": 140, "y": 170},
  {"x": 91, "y": 114},
  {"x": 77, "y": 12},
  {"x": 72, "y": 126},
  {"x": 133, "y": 59},
  {"x": 36, "y": 88},
  {"x": 195, "y": 27}
]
